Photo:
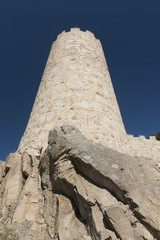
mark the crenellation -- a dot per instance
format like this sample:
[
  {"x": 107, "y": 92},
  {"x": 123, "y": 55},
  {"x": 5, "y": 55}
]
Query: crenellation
[
  {"x": 152, "y": 138},
  {"x": 60, "y": 36}
]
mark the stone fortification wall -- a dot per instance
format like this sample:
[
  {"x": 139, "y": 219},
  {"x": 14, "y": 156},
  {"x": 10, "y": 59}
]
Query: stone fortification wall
[
  {"x": 76, "y": 89},
  {"x": 142, "y": 147}
]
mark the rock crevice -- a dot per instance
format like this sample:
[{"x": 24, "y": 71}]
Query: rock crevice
[{"x": 79, "y": 190}]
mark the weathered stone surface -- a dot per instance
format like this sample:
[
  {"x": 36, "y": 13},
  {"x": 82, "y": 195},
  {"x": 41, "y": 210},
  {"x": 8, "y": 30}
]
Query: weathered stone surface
[
  {"x": 26, "y": 164},
  {"x": 28, "y": 215},
  {"x": 2, "y": 163},
  {"x": 68, "y": 225},
  {"x": 11, "y": 185},
  {"x": 7, "y": 232},
  {"x": 124, "y": 177},
  {"x": 1, "y": 170},
  {"x": 79, "y": 190}
]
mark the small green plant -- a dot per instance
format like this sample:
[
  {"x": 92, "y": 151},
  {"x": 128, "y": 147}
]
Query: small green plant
[{"x": 157, "y": 135}]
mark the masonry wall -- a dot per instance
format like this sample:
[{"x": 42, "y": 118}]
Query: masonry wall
[
  {"x": 142, "y": 147},
  {"x": 76, "y": 89}
]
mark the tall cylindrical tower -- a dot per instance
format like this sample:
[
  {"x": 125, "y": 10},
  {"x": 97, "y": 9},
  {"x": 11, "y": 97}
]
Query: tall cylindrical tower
[{"x": 76, "y": 89}]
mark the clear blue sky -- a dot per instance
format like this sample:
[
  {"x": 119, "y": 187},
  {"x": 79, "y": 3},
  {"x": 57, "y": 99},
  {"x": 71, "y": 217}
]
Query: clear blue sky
[{"x": 130, "y": 35}]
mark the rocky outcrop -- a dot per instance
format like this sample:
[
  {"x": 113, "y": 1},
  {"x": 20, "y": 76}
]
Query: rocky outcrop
[
  {"x": 1, "y": 170},
  {"x": 79, "y": 190}
]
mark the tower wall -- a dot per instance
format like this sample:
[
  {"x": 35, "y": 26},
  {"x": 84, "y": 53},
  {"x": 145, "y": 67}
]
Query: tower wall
[{"x": 76, "y": 89}]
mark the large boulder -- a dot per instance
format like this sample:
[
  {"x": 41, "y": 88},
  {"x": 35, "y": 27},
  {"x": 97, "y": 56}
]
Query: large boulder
[
  {"x": 79, "y": 190},
  {"x": 103, "y": 181}
]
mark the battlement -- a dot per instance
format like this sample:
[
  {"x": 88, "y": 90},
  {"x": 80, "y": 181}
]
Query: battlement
[
  {"x": 151, "y": 138},
  {"x": 79, "y": 33},
  {"x": 76, "y": 89},
  {"x": 143, "y": 147},
  {"x": 76, "y": 31}
]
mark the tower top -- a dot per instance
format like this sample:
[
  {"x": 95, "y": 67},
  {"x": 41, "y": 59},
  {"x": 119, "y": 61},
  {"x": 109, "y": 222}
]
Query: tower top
[{"x": 75, "y": 30}]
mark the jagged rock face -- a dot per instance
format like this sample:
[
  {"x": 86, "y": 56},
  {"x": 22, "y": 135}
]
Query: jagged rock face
[{"x": 79, "y": 190}]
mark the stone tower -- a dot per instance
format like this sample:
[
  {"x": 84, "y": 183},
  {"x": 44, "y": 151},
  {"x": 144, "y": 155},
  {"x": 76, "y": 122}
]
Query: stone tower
[
  {"x": 71, "y": 188},
  {"x": 76, "y": 89}
]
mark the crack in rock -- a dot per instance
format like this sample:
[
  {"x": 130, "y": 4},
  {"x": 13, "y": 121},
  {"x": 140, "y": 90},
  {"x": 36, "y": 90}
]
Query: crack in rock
[{"x": 78, "y": 190}]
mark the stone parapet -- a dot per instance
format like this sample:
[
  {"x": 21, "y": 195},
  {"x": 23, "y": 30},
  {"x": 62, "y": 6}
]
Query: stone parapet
[{"x": 142, "y": 147}]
